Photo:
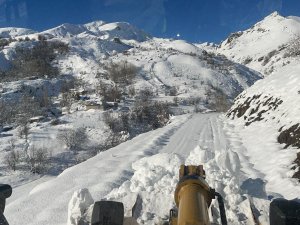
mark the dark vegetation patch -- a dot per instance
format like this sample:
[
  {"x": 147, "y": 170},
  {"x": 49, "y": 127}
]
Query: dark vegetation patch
[
  {"x": 144, "y": 116},
  {"x": 36, "y": 61},
  {"x": 234, "y": 36},
  {"x": 292, "y": 48},
  {"x": 269, "y": 56}
]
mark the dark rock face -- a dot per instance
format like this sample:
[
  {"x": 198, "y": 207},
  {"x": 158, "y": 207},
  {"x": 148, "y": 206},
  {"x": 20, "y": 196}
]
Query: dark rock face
[
  {"x": 290, "y": 136},
  {"x": 257, "y": 105},
  {"x": 297, "y": 161},
  {"x": 255, "y": 108}
]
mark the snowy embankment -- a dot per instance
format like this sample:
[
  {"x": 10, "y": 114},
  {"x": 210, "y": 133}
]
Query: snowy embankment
[
  {"x": 147, "y": 166},
  {"x": 266, "y": 111}
]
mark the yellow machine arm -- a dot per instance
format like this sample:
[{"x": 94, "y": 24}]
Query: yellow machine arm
[{"x": 193, "y": 197}]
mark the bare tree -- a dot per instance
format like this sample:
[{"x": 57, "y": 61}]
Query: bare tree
[
  {"x": 23, "y": 130},
  {"x": 44, "y": 100},
  {"x": 110, "y": 93},
  {"x": 74, "y": 139},
  {"x": 66, "y": 100},
  {"x": 176, "y": 101},
  {"x": 12, "y": 159},
  {"x": 37, "y": 159},
  {"x": 122, "y": 73},
  {"x": 117, "y": 122},
  {"x": 145, "y": 94},
  {"x": 173, "y": 91},
  {"x": 131, "y": 90}
]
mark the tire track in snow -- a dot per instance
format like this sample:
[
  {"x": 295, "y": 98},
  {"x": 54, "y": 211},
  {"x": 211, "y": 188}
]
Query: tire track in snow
[
  {"x": 224, "y": 170},
  {"x": 101, "y": 174},
  {"x": 203, "y": 139}
]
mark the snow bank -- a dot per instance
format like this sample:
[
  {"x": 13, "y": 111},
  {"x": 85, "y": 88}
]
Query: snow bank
[
  {"x": 151, "y": 188},
  {"x": 78, "y": 206}
]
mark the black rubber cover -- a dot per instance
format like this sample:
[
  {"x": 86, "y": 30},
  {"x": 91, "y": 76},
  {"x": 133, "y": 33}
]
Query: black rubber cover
[
  {"x": 284, "y": 212},
  {"x": 108, "y": 213}
]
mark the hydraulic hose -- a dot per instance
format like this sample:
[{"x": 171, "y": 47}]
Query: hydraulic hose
[{"x": 221, "y": 208}]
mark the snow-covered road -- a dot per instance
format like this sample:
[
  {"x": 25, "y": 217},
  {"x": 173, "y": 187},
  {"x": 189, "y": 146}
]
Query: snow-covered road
[
  {"x": 203, "y": 139},
  {"x": 147, "y": 166}
]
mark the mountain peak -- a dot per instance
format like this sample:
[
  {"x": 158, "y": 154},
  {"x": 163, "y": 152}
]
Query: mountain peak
[{"x": 274, "y": 14}]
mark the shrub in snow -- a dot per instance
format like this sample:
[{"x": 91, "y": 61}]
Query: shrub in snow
[
  {"x": 113, "y": 140},
  {"x": 74, "y": 139},
  {"x": 293, "y": 48},
  {"x": 173, "y": 91},
  {"x": 37, "y": 158},
  {"x": 19, "y": 111},
  {"x": 217, "y": 99},
  {"x": 176, "y": 101},
  {"x": 80, "y": 207},
  {"x": 122, "y": 73},
  {"x": 66, "y": 100},
  {"x": 131, "y": 91},
  {"x": 117, "y": 122},
  {"x": 113, "y": 94},
  {"x": 109, "y": 92},
  {"x": 23, "y": 130},
  {"x": 12, "y": 159},
  {"x": 36, "y": 61},
  {"x": 145, "y": 116},
  {"x": 145, "y": 95},
  {"x": 154, "y": 114}
]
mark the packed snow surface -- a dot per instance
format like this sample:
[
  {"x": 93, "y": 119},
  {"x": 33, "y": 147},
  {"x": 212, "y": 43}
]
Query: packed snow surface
[{"x": 146, "y": 167}]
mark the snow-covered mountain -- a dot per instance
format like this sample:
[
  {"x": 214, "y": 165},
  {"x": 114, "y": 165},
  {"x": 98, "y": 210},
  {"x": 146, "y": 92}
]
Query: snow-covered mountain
[
  {"x": 162, "y": 63},
  {"x": 99, "y": 29},
  {"x": 188, "y": 76},
  {"x": 266, "y": 46},
  {"x": 12, "y": 32}
]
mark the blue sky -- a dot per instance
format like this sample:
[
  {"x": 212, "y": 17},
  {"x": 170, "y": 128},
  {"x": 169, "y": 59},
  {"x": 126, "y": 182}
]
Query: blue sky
[{"x": 194, "y": 20}]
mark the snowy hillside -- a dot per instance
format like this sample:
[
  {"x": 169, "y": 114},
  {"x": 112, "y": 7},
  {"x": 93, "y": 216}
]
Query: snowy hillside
[
  {"x": 163, "y": 64},
  {"x": 266, "y": 46},
  {"x": 271, "y": 107}
]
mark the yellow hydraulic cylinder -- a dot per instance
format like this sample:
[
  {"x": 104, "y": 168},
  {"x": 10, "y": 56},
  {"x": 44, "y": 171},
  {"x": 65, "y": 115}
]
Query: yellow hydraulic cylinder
[{"x": 193, "y": 197}]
